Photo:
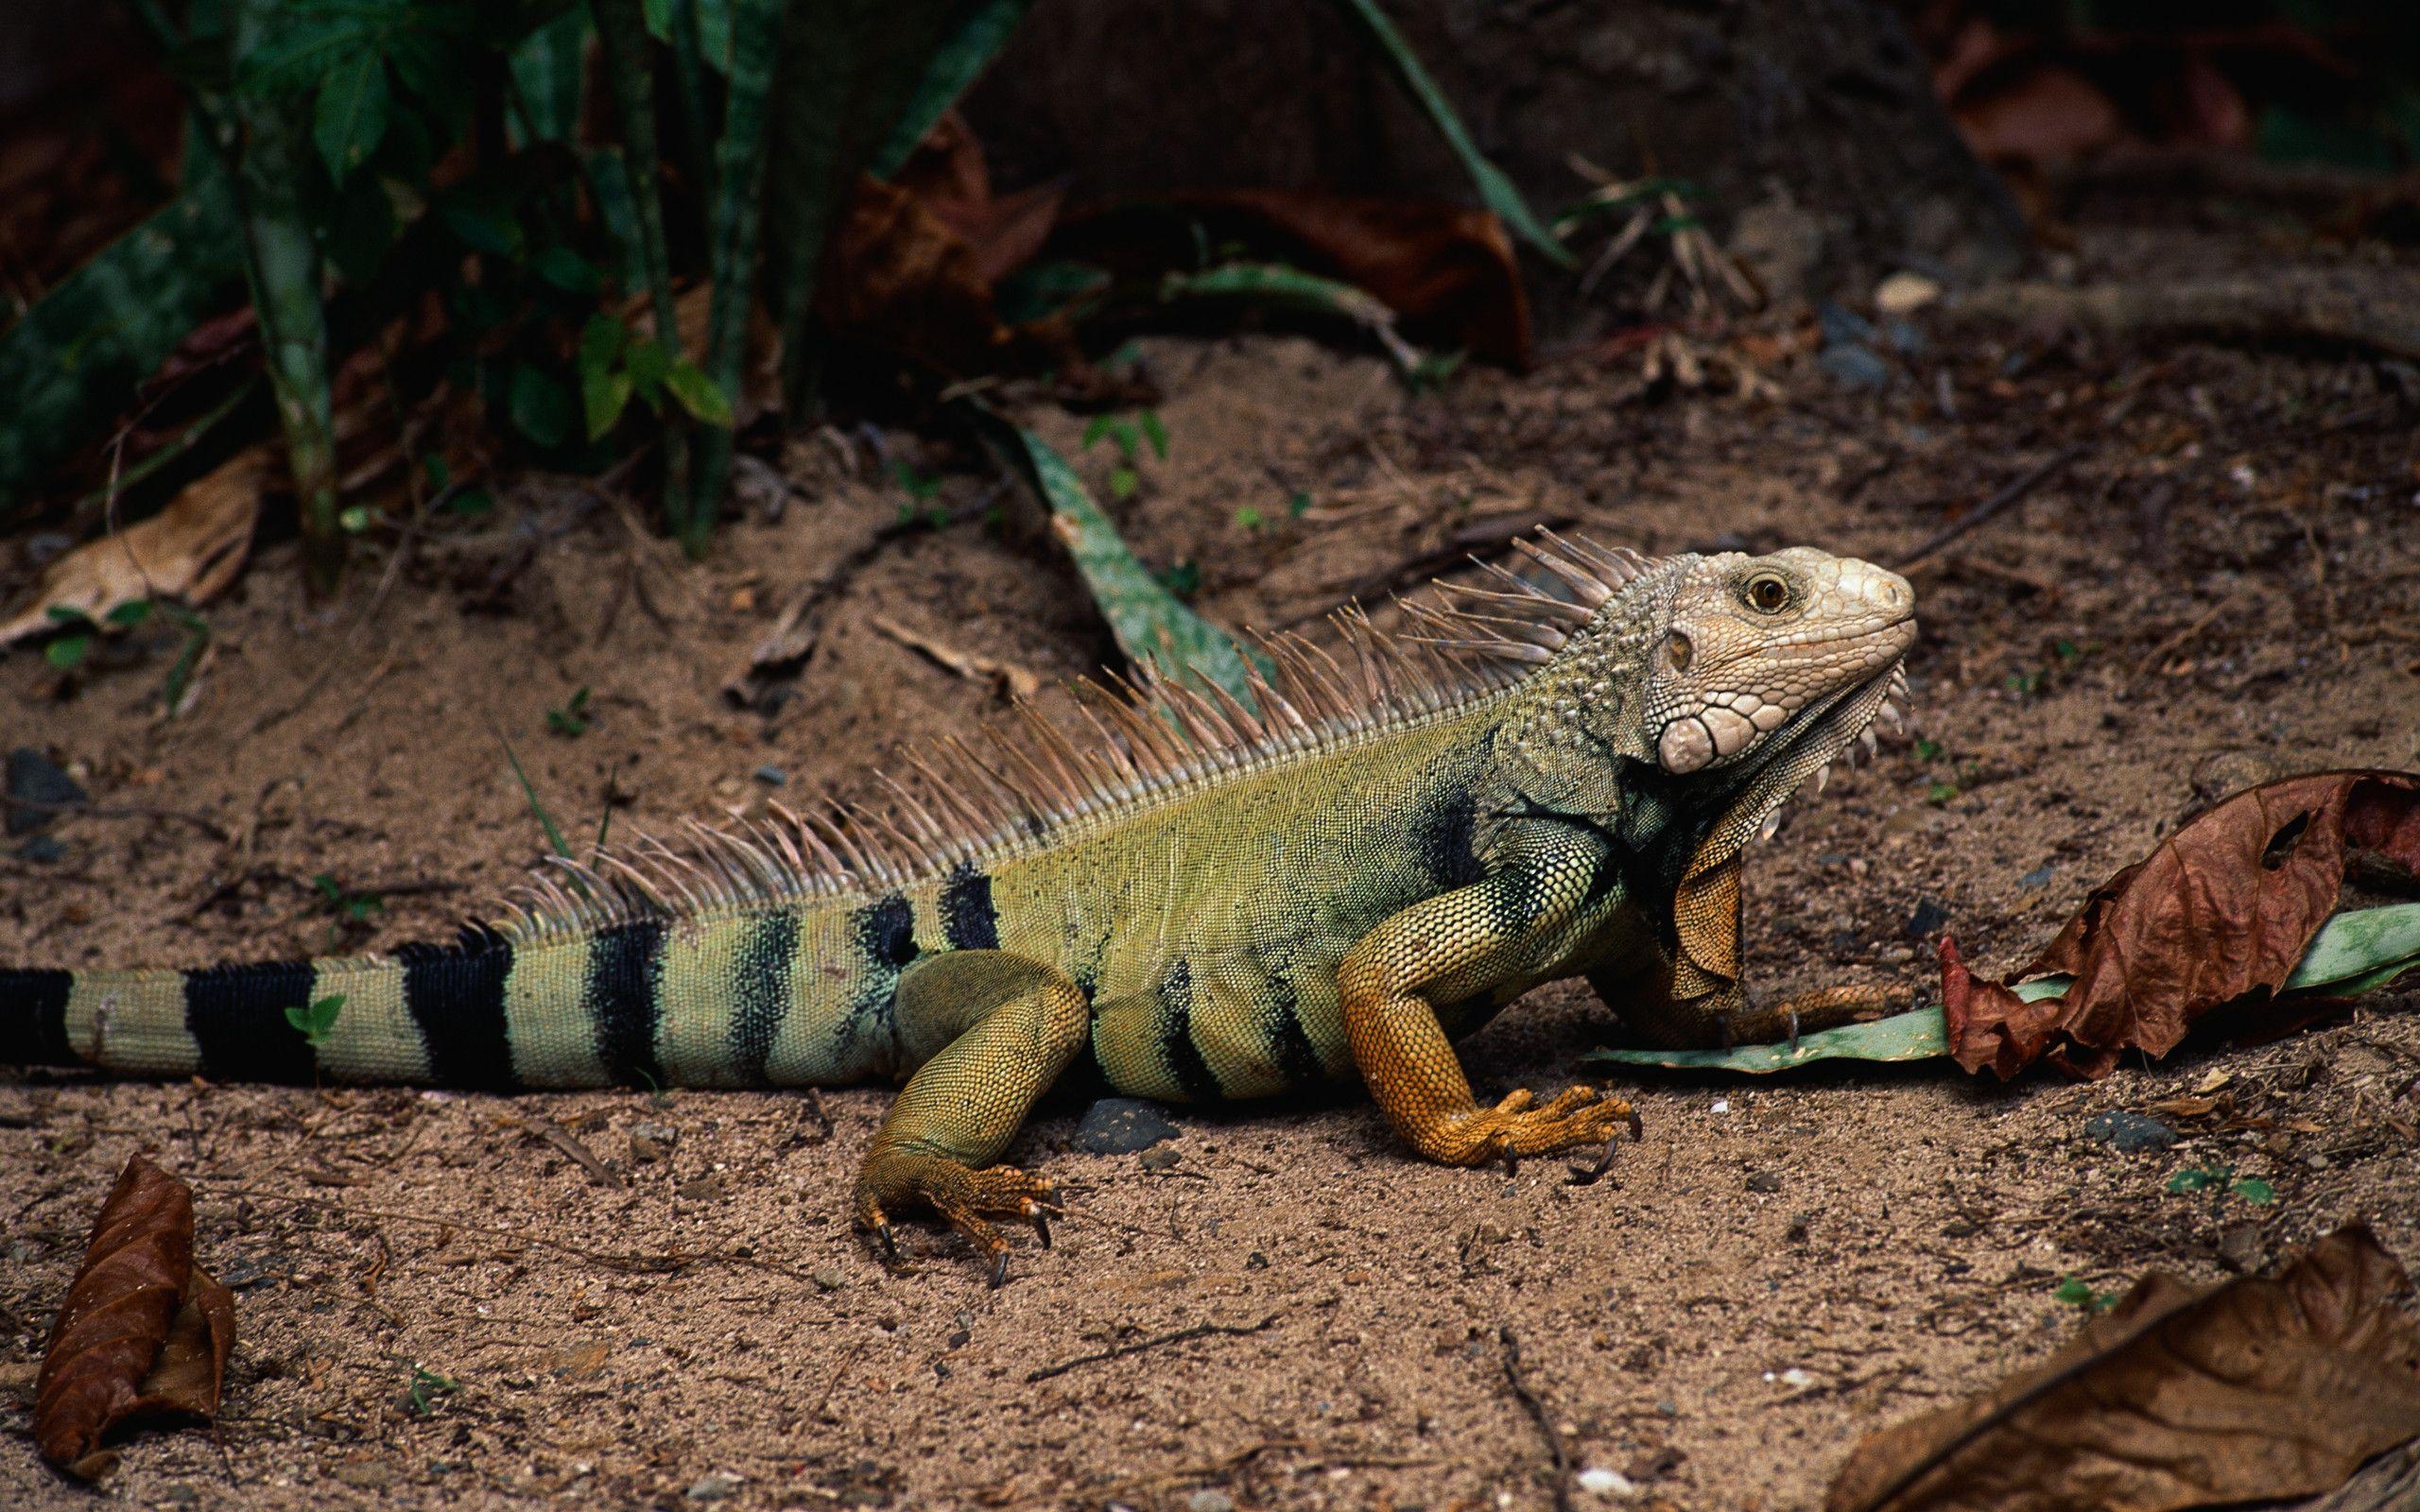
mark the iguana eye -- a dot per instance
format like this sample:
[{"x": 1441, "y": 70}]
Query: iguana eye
[
  {"x": 1768, "y": 593},
  {"x": 1680, "y": 650}
]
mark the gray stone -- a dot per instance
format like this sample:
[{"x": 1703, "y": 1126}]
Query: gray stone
[
  {"x": 2129, "y": 1133},
  {"x": 716, "y": 1487},
  {"x": 771, "y": 775},
  {"x": 1927, "y": 918},
  {"x": 1854, "y": 366},
  {"x": 35, "y": 779},
  {"x": 42, "y": 848},
  {"x": 1121, "y": 1126},
  {"x": 1209, "y": 1499}
]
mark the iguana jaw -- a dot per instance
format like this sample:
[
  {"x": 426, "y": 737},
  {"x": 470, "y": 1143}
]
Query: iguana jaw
[{"x": 1796, "y": 760}]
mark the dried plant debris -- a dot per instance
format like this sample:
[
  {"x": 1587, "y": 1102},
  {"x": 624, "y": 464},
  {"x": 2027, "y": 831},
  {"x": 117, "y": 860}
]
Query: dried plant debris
[
  {"x": 189, "y": 551},
  {"x": 2220, "y": 914},
  {"x": 143, "y": 1329},
  {"x": 2263, "y": 1387}
]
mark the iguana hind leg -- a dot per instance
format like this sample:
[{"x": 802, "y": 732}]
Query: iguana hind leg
[
  {"x": 1502, "y": 930},
  {"x": 994, "y": 1031}
]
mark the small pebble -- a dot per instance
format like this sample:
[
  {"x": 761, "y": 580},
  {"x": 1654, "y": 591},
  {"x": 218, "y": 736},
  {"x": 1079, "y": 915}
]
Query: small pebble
[
  {"x": 1121, "y": 1126},
  {"x": 2129, "y": 1133},
  {"x": 719, "y": 1487},
  {"x": 2038, "y": 877},
  {"x": 1596, "y": 1480},
  {"x": 771, "y": 775},
  {"x": 1927, "y": 918},
  {"x": 1854, "y": 366},
  {"x": 1161, "y": 1158},
  {"x": 829, "y": 1279},
  {"x": 34, "y": 779},
  {"x": 1764, "y": 1181},
  {"x": 1209, "y": 1499}
]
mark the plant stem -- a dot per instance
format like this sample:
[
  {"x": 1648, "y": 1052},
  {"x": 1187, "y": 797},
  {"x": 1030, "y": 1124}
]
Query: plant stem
[
  {"x": 621, "y": 28},
  {"x": 284, "y": 268}
]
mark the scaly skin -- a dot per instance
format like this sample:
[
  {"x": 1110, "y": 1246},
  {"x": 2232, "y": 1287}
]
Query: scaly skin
[{"x": 1344, "y": 904}]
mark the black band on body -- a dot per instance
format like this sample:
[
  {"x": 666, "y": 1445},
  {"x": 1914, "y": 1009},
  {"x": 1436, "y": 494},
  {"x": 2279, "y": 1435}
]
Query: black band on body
[
  {"x": 762, "y": 994},
  {"x": 1177, "y": 1049},
  {"x": 456, "y": 996},
  {"x": 238, "y": 1016},
  {"x": 624, "y": 967},
  {"x": 33, "y": 1019},
  {"x": 968, "y": 921}
]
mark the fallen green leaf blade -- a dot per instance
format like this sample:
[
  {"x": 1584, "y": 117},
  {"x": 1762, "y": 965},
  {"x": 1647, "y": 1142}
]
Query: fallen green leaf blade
[
  {"x": 1917, "y": 1036},
  {"x": 2354, "y": 953},
  {"x": 1151, "y": 626},
  {"x": 1285, "y": 287},
  {"x": 1497, "y": 191}
]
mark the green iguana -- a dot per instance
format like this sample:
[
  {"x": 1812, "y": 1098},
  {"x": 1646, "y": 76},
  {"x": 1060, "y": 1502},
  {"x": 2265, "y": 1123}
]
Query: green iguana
[{"x": 1211, "y": 900}]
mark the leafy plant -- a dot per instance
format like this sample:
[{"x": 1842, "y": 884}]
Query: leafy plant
[
  {"x": 2080, "y": 1294},
  {"x": 1129, "y": 437},
  {"x": 350, "y": 907},
  {"x": 570, "y": 721},
  {"x": 426, "y": 1388},
  {"x": 2225, "y": 1182},
  {"x": 318, "y": 1021}
]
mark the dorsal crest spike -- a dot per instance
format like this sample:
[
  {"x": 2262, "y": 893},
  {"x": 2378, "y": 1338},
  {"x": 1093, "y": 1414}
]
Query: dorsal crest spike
[{"x": 1146, "y": 734}]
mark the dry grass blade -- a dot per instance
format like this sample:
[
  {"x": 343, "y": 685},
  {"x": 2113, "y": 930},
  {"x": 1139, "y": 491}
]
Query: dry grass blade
[
  {"x": 2264, "y": 1388},
  {"x": 142, "y": 1330}
]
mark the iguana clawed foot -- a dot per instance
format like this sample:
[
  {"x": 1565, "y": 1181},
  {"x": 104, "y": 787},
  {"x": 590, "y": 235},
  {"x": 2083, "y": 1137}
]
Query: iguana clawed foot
[
  {"x": 961, "y": 1196},
  {"x": 1576, "y": 1116}
]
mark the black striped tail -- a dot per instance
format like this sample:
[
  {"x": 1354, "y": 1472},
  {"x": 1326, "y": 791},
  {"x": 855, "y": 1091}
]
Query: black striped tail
[{"x": 33, "y": 1019}]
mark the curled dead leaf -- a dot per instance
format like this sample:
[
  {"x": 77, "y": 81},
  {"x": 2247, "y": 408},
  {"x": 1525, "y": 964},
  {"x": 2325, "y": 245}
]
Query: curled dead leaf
[
  {"x": 189, "y": 551},
  {"x": 2219, "y": 914},
  {"x": 2263, "y": 1387},
  {"x": 143, "y": 1330}
]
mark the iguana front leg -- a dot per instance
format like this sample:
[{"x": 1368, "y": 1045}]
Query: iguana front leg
[
  {"x": 1463, "y": 944},
  {"x": 994, "y": 1031},
  {"x": 1695, "y": 997}
]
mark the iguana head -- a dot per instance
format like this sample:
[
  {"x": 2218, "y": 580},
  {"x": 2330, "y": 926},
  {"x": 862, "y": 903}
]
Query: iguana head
[
  {"x": 1762, "y": 654},
  {"x": 1721, "y": 681}
]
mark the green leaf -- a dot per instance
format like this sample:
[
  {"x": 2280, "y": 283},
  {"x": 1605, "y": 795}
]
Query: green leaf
[
  {"x": 949, "y": 71},
  {"x": 68, "y": 363},
  {"x": 603, "y": 395},
  {"x": 484, "y": 227},
  {"x": 317, "y": 1021},
  {"x": 66, "y": 652},
  {"x": 548, "y": 73},
  {"x": 350, "y": 119},
  {"x": 649, "y": 364},
  {"x": 1282, "y": 287},
  {"x": 2254, "y": 1191},
  {"x": 1494, "y": 187},
  {"x": 129, "y": 614},
  {"x": 1149, "y": 420},
  {"x": 541, "y": 408},
  {"x": 2198, "y": 1179},
  {"x": 567, "y": 270},
  {"x": 1123, "y": 482},
  {"x": 699, "y": 394}
]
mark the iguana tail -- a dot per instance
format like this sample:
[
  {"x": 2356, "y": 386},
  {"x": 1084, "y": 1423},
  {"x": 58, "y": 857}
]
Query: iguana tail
[{"x": 639, "y": 1002}]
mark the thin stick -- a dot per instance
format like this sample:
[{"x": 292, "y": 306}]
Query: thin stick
[
  {"x": 1537, "y": 1411},
  {"x": 1201, "y": 1331},
  {"x": 1997, "y": 504}
]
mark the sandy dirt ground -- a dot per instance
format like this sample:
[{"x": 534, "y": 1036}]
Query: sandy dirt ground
[{"x": 1280, "y": 1308}]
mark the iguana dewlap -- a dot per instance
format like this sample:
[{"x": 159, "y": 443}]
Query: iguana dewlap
[{"x": 1211, "y": 900}]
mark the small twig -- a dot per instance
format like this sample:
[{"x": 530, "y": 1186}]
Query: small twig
[
  {"x": 581, "y": 1155},
  {"x": 1997, "y": 504},
  {"x": 1537, "y": 1411},
  {"x": 1200, "y": 1331},
  {"x": 120, "y": 811}
]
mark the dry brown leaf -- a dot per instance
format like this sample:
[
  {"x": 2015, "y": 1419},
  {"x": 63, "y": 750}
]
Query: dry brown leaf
[
  {"x": 142, "y": 1330},
  {"x": 189, "y": 551},
  {"x": 2219, "y": 914},
  {"x": 2263, "y": 1387}
]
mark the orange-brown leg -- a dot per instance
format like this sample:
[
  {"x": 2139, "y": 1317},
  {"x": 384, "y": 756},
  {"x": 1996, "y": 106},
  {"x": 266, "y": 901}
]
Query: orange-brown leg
[{"x": 1446, "y": 949}]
